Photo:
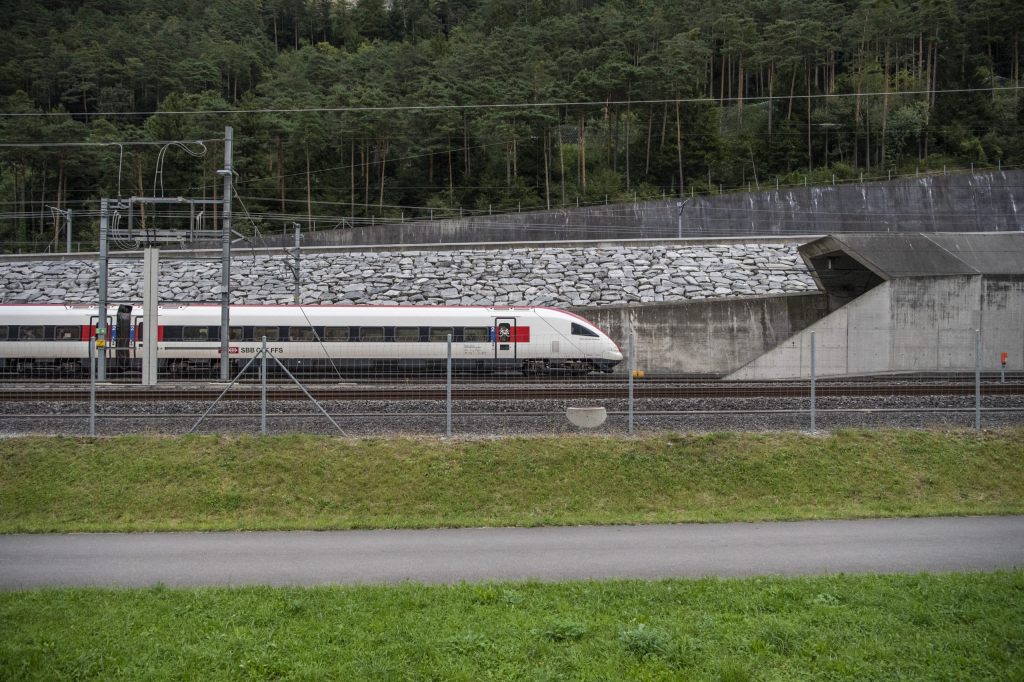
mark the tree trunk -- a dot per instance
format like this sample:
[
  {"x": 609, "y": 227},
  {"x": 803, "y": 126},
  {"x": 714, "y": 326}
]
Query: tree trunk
[
  {"x": 810, "y": 161},
  {"x": 561, "y": 163},
  {"x": 739, "y": 89},
  {"x": 451, "y": 174},
  {"x": 547, "y": 172},
  {"x": 42, "y": 203},
  {"x": 721, "y": 84},
  {"x": 627, "y": 146},
  {"x": 885, "y": 103},
  {"x": 647, "y": 154},
  {"x": 583, "y": 154},
  {"x": 664, "y": 126},
  {"x": 1016, "y": 63},
  {"x": 711, "y": 74},
  {"x": 465, "y": 146},
  {"x": 792, "y": 90},
  {"x": 679, "y": 146},
  {"x": 60, "y": 197},
  {"x": 383, "y": 164},
  {"x": 309, "y": 189},
  {"x": 364, "y": 160},
  {"x": 771, "y": 102},
  {"x": 856, "y": 98},
  {"x": 280, "y": 172},
  {"x": 867, "y": 140}
]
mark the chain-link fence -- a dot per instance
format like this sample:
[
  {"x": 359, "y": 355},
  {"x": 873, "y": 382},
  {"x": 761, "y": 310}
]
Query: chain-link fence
[{"x": 479, "y": 376}]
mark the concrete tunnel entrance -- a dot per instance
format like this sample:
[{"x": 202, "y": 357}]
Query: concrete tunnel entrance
[{"x": 907, "y": 303}]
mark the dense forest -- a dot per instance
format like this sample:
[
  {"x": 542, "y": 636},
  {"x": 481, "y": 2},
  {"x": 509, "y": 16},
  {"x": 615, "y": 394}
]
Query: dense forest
[{"x": 382, "y": 110}]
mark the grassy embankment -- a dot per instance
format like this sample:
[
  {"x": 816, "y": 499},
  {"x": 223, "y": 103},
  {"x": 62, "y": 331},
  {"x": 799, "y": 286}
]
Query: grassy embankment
[
  {"x": 965, "y": 627},
  {"x": 291, "y": 482}
]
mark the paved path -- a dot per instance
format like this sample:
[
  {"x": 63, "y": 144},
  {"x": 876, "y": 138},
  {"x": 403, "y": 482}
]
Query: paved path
[{"x": 453, "y": 555}]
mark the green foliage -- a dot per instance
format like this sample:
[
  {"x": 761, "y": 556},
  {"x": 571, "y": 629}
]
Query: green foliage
[
  {"x": 152, "y": 483},
  {"x": 921, "y": 627},
  {"x": 89, "y": 62}
]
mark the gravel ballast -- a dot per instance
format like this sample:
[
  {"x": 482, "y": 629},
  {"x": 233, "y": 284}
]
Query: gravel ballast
[{"x": 482, "y": 418}]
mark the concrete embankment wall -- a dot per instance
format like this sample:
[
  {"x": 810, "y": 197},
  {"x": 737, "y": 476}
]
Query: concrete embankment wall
[
  {"x": 922, "y": 324},
  {"x": 709, "y": 337},
  {"x": 961, "y": 202}
]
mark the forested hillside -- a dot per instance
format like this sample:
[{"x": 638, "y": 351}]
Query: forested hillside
[{"x": 414, "y": 105}]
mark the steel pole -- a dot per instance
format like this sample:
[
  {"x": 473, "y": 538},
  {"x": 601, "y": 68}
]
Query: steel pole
[
  {"x": 298, "y": 267},
  {"x": 92, "y": 386},
  {"x": 448, "y": 397},
  {"x": 151, "y": 315},
  {"x": 977, "y": 378},
  {"x": 813, "y": 387},
  {"x": 68, "y": 236},
  {"x": 263, "y": 387},
  {"x": 631, "y": 366},
  {"x": 225, "y": 283},
  {"x": 101, "y": 310}
]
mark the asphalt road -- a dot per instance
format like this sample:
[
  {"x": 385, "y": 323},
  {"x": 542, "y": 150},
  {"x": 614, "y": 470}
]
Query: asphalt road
[{"x": 547, "y": 554}]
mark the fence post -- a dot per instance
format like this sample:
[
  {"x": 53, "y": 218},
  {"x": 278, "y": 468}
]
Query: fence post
[
  {"x": 448, "y": 391},
  {"x": 92, "y": 386},
  {"x": 631, "y": 365},
  {"x": 813, "y": 388},
  {"x": 977, "y": 379},
  {"x": 263, "y": 387}
]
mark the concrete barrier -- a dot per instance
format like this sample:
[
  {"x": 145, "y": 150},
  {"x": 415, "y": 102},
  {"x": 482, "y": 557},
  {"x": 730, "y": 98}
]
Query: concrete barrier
[{"x": 712, "y": 337}]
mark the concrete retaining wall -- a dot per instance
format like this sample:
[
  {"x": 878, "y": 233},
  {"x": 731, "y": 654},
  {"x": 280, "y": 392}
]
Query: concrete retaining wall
[
  {"x": 711, "y": 337},
  {"x": 579, "y": 276},
  {"x": 924, "y": 324},
  {"x": 960, "y": 202}
]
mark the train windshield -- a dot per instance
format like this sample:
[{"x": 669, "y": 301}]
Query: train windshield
[{"x": 580, "y": 330}]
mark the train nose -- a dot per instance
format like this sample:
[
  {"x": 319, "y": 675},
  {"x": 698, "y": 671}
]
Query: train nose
[{"x": 613, "y": 354}]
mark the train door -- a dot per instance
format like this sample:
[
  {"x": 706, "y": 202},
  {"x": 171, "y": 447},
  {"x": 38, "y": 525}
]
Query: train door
[
  {"x": 505, "y": 337},
  {"x": 136, "y": 335}
]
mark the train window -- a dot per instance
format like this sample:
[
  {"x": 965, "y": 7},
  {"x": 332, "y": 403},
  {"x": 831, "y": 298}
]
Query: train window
[
  {"x": 580, "y": 330},
  {"x": 371, "y": 333},
  {"x": 3, "y": 333},
  {"x": 441, "y": 334},
  {"x": 407, "y": 334},
  {"x": 301, "y": 334},
  {"x": 237, "y": 333},
  {"x": 31, "y": 333},
  {"x": 476, "y": 334},
  {"x": 336, "y": 333},
  {"x": 67, "y": 333},
  {"x": 195, "y": 333},
  {"x": 272, "y": 333}
]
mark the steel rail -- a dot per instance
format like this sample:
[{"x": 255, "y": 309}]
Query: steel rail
[
  {"x": 117, "y": 393},
  {"x": 611, "y": 413}
]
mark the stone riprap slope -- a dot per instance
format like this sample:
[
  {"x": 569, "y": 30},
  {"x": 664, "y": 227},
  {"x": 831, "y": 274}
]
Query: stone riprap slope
[{"x": 551, "y": 276}]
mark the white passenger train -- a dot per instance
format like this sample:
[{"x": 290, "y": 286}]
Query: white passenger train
[{"x": 365, "y": 339}]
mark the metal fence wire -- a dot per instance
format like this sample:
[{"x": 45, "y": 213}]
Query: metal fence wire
[{"x": 503, "y": 378}]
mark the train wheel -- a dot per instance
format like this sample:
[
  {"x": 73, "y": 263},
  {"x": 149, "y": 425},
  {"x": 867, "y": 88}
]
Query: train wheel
[
  {"x": 534, "y": 367},
  {"x": 581, "y": 368}
]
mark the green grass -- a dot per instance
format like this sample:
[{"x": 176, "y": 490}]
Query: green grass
[
  {"x": 940, "y": 627},
  {"x": 291, "y": 482}
]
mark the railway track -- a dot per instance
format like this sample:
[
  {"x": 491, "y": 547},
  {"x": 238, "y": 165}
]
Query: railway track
[{"x": 641, "y": 391}]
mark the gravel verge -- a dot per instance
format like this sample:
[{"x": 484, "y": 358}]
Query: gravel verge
[{"x": 483, "y": 418}]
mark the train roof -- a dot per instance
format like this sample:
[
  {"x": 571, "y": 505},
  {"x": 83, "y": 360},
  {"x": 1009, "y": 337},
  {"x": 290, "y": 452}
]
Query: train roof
[{"x": 257, "y": 312}]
